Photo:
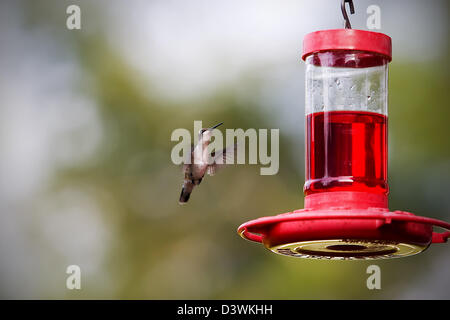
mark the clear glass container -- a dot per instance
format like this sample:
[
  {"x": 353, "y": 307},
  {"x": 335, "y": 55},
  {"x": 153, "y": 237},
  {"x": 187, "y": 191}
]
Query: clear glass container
[{"x": 346, "y": 122}]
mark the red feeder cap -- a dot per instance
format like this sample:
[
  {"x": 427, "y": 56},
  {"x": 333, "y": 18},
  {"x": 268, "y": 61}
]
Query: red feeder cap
[{"x": 347, "y": 39}]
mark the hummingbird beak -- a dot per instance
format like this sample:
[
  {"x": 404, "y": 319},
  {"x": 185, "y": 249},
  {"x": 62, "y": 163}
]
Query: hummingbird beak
[{"x": 212, "y": 128}]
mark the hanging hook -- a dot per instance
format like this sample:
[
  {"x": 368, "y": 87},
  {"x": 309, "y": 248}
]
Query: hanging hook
[{"x": 344, "y": 12}]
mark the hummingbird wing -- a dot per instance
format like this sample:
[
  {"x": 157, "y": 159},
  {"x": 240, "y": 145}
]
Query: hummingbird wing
[{"x": 226, "y": 156}]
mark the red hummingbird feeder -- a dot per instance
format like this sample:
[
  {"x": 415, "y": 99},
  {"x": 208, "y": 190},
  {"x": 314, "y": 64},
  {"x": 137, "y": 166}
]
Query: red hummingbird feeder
[{"x": 346, "y": 214}]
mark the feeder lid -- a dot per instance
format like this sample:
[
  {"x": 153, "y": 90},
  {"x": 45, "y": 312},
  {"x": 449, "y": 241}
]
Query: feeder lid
[{"x": 347, "y": 39}]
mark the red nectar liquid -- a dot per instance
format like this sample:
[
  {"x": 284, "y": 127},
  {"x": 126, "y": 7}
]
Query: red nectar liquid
[{"x": 346, "y": 151}]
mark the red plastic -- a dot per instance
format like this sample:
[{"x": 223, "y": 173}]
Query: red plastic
[
  {"x": 340, "y": 225},
  {"x": 353, "y": 216},
  {"x": 347, "y": 39},
  {"x": 344, "y": 223}
]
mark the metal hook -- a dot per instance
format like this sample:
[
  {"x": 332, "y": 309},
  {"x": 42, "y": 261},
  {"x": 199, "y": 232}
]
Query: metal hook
[{"x": 344, "y": 12}]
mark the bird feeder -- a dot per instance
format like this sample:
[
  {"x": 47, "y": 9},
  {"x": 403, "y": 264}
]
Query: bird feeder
[{"x": 346, "y": 214}]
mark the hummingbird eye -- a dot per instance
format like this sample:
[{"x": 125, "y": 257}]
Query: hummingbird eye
[{"x": 203, "y": 130}]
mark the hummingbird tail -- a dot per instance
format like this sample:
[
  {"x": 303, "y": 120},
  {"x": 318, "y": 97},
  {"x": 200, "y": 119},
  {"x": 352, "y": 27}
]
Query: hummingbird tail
[{"x": 185, "y": 193}]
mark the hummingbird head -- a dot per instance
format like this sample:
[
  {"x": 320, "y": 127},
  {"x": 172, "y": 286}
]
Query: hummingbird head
[{"x": 206, "y": 133}]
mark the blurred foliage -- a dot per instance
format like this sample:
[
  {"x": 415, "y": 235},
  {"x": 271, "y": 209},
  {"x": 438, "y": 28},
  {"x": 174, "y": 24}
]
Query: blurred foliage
[{"x": 162, "y": 250}]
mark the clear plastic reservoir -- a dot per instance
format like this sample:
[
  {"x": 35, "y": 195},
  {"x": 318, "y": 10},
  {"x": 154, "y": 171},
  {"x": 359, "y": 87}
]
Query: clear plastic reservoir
[{"x": 346, "y": 122}]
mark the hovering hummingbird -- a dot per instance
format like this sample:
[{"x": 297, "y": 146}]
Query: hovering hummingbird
[{"x": 199, "y": 165}]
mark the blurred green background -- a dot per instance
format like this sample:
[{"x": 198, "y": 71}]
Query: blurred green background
[{"x": 85, "y": 123}]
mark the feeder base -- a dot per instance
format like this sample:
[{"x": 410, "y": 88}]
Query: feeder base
[{"x": 345, "y": 233}]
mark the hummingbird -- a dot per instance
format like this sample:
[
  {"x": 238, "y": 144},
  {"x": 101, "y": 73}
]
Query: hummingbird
[{"x": 200, "y": 164}]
